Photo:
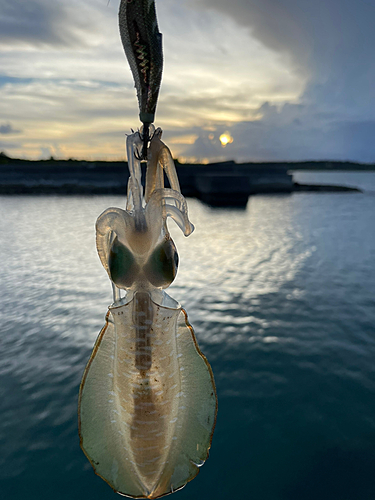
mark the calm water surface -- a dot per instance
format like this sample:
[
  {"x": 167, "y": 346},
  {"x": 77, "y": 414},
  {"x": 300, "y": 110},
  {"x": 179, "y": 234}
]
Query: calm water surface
[{"x": 282, "y": 299}]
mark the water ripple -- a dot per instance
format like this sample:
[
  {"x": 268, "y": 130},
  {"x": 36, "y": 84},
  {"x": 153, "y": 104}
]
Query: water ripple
[{"x": 281, "y": 297}]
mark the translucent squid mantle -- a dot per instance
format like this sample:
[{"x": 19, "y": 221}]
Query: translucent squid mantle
[{"x": 147, "y": 403}]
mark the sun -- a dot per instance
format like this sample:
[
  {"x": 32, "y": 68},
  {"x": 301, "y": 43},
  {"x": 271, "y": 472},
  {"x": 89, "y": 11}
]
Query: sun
[{"x": 225, "y": 139}]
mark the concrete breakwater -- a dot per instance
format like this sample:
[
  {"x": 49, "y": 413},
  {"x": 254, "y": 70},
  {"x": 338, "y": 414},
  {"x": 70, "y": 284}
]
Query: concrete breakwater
[{"x": 225, "y": 183}]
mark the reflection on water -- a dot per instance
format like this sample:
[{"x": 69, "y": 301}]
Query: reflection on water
[{"x": 281, "y": 296}]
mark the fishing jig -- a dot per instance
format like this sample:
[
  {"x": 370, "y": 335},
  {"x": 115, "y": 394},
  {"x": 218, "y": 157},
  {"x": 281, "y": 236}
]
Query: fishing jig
[{"x": 142, "y": 43}]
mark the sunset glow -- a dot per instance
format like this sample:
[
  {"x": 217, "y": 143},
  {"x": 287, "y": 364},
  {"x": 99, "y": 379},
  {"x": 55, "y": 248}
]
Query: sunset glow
[{"x": 226, "y": 139}]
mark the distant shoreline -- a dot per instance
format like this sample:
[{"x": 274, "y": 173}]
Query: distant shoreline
[
  {"x": 217, "y": 184},
  {"x": 324, "y": 165}
]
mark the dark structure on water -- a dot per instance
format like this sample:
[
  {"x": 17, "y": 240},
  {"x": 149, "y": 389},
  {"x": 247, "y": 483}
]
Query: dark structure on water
[{"x": 218, "y": 184}]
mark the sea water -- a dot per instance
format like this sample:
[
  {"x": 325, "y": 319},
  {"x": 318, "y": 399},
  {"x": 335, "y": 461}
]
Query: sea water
[{"x": 282, "y": 299}]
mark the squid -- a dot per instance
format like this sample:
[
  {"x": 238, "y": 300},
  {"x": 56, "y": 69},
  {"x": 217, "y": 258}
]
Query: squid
[{"x": 147, "y": 402}]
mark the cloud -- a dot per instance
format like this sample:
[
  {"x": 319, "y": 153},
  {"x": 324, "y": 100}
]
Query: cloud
[
  {"x": 63, "y": 96},
  {"x": 7, "y": 128},
  {"x": 330, "y": 41},
  {"x": 69, "y": 117},
  {"x": 289, "y": 79},
  {"x": 293, "y": 132},
  {"x": 43, "y": 23},
  {"x": 33, "y": 22},
  {"x": 9, "y": 145}
]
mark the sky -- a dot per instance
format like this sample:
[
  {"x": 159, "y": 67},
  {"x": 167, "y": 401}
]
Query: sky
[{"x": 275, "y": 79}]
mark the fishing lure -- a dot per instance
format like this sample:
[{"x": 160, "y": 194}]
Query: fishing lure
[
  {"x": 142, "y": 43},
  {"x": 147, "y": 403}
]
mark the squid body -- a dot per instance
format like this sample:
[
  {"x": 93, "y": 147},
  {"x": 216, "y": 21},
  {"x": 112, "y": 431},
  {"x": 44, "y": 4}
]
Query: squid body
[{"x": 147, "y": 403}]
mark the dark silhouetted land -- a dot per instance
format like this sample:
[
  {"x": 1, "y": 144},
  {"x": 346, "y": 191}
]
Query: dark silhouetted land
[{"x": 224, "y": 183}]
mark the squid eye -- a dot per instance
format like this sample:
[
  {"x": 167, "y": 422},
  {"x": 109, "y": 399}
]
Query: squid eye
[
  {"x": 122, "y": 266},
  {"x": 161, "y": 268}
]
